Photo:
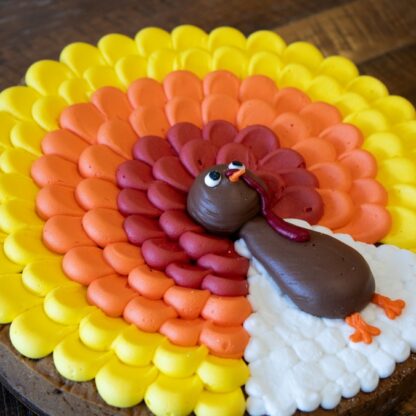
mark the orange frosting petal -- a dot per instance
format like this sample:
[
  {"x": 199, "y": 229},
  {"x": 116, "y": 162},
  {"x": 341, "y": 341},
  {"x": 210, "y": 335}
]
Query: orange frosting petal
[
  {"x": 57, "y": 200},
  {"x": 344, "y": 137},
  {"x": 255, "y": 112},
  {"x": 111, "y": 294},
  {"x": 99, "y": 161},
  {"x": 368, "y": 190},
  {"x": 85, "y": 264},
  {"x": 332, "y": 175},
  {"x": 112, "y": 102},
  {"x": 149, "y": 121},
  {"x": 149, "y": 282},
  {"x": 223, "y": 83},
  {"x": 360, "y": 163},
  {"x": 290, "y": 100},
  {"x": 146, "y": 91},
  {"x": 65, "y": 144},
  {"x": 227, "y": 342},
  {"x": 183, "y": 84},
  {"x": 123, "y": 257},
  {"x": 319, "y": 116},
  {"x": 290, "y": 129},
  {"x": 258, "y": 87},
  {"x": 227, "y": 311},
  {"x": 51, "y": 169},
  {"x": 187, "y": 302},
  {"x": 315, "y": 150},
  {"x": 82, "y": 119},
  {"x": 119, "y": 136},
  {"x": 183, "y": 332},
  {"x": 96, "y": 193},
  {"x": 104, "y": 226},
  {"x": 63, "y": 232},
  {"x": 338, "y": 208},
  {"x": 180, "y": 109},
  {"x": 148, "y": 315},
  {"x": 370, "y": 223},
  {"x": 219, "y": 107}
]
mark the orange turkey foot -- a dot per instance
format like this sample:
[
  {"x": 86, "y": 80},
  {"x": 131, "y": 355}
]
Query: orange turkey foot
[
  {"x": 392, "y": 308},
  {"x": 363, "y": 331}
]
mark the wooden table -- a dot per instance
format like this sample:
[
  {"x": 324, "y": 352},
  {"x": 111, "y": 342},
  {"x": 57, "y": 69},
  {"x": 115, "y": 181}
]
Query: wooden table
[{"x": 378, "y": 35}]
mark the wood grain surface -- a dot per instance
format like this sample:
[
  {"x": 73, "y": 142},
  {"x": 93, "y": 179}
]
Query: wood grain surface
[{"x": 379, "y": 35}]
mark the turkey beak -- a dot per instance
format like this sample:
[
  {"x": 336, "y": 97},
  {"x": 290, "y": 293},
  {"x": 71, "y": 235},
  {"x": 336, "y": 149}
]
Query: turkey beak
[{"x": 234, "y": 177}]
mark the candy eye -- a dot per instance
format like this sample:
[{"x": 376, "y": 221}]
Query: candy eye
[
  {"x": 212, "y": 178},
  {"x": 236, "y": 164}
]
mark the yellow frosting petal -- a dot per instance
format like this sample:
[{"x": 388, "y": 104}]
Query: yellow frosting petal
[
  {"x": 16, "y": 161},
  {"x": 15, "y": 215},
  {"x": 265, "y": 63},
  {"x": 99, "y": 331},
  {"x": 28, "y": 135},
  {"x": 170, "y": 396},
  {"x": 18, "y": 101},
  {"x": 42, "y": 276},
  {"x": 75, "y": 90},
  {"x": 383, "y": 145},
  {"x": 7, "y": 122},
  {"x": 152, "y": 39},
  {"x": 303, "y": 53},
  {"x": 25, "y": 246},
  {"x": 115, "y": 46},
  {"x": 350, "y": 102},
  {"x": 14, "y": 297},
  {"x": 230, "y": 404},
  {"x": 102, "y": 76},
  {"x": 79, "y": 56},
  {"x": 35, "y": 335},
  {"x": 230, "y": 58},
  {"x": 223, "y": 375},
  {"x": 75, "y": 361},
  {"x": 267, "y": 41},
  {"x": 17, "y": 186},
  {"x": 369, "y": 87},
  {"x": 46, "y": 76},
  {"x": 188, "y": 36},
  {"x": 67, "y": 304},
  {"x": 46, "y": 112},
  {"x": 6, "y": 265},
  {"x": 161, "y": 63},
  {"x": 324, "y": 88},
  {"x": 136, "y": 347},
  {"x": 195, "y": 60},
  {"x": 176, "y": 361},
  {"x": 340, "y": 68},
  {"x": 396, "y": 109},
  {"x": 294, "y": 75},
  {"x": 226, "y": 36},
  {"x": 130, "y": 68},
  {"x": 368, "y": 121},
  {"x": 121, "y": 385}
]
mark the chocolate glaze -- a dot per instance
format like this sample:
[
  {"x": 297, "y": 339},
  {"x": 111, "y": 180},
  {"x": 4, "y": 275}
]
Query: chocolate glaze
[{"x": 322, "y": 276}]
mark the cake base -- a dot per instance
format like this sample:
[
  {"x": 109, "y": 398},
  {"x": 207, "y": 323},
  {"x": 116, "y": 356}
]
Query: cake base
[{"x": 38, "y": 385}]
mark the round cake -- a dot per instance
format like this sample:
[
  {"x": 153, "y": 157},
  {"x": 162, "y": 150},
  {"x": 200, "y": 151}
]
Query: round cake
[{"x": 191, "y": 223}]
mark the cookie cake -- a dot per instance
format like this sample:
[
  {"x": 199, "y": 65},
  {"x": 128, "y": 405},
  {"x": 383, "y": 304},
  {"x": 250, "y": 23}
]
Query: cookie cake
[{"x": 146, "y": 267}]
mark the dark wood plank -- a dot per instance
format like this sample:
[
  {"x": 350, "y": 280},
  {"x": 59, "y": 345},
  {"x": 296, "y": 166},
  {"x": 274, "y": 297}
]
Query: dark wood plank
[
  {"x": 360, "y": 30},
  {"x": 39, "y": 29}
]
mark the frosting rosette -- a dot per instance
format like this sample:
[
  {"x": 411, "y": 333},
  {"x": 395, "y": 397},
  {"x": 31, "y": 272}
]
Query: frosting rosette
[{"x": 101, "y": 264}]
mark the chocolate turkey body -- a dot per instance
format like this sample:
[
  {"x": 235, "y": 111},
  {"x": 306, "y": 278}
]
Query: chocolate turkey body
[{"x": 322, "y": 276}]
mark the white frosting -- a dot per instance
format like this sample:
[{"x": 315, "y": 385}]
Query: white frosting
[{"x": 299, "y": 361}]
